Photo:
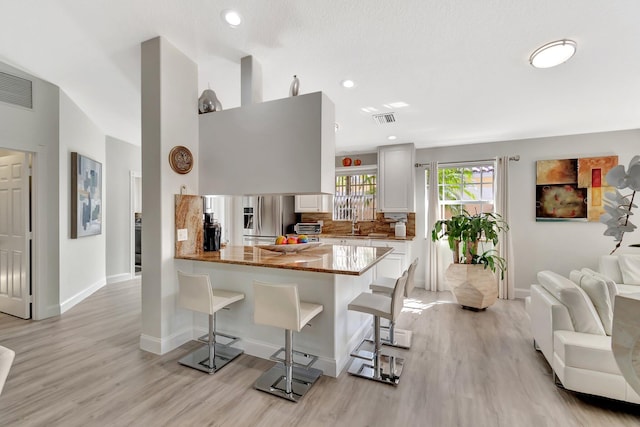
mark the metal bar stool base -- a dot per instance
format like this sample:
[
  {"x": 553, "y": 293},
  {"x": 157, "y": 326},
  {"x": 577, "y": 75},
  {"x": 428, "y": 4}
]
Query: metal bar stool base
[
  {"x": 402, "y": 338},
  {"x": 273, "y": 381},
  {"x": 199, "y": 359},
  {"x": 365, "y": 369}
]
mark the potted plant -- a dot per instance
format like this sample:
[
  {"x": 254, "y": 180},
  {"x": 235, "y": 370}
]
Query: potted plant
[{"x": 471, "y": 276}]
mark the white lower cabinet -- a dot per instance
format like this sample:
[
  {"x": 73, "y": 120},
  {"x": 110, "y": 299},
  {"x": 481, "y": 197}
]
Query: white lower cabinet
[{"x": 394, "y": 264}]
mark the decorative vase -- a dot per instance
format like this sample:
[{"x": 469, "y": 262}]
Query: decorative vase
[
  {"x": 346, "y": 161},
  {"x": 208, "y": 102},
  {"x": 472, "y": 285},
  {"x": 295, "y": 86}
]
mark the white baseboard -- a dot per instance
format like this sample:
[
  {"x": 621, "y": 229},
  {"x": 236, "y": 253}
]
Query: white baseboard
[
  {"x": 162, "y": 346},
  {"x": 115, "y": 278},
  {"x": 80, "y": 296},
  {"x": 49, "y": 311},
  {"x": 522, "y": 293}
]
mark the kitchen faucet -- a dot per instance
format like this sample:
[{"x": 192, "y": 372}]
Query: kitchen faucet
[{"x": 354, "y": 222}]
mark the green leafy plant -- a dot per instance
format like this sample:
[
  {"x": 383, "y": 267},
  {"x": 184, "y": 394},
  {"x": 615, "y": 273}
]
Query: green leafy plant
[{"x": 464, "y": 231}]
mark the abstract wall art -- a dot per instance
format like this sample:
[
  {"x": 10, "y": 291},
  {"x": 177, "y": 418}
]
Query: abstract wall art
[
  {"x": 572, "y": 189},
  {"x": 86, "y": 196}
]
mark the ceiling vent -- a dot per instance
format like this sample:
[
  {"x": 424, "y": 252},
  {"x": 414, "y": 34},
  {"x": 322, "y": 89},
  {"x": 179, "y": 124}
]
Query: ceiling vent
[
  {"x": 16, "y": 90},
  {"x": 384, "y": 118}
]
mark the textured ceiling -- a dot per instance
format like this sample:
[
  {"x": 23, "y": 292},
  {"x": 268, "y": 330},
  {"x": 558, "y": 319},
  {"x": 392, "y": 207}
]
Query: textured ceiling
[{"x": 461, "y": 65}]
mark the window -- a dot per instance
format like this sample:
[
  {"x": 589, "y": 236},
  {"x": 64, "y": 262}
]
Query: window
[
  {"x": 466, "y": 187},
  {"x": 355, "y": 197}
]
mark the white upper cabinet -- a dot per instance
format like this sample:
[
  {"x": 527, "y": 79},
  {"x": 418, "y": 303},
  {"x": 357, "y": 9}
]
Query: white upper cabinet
[
  {"x": 396, "y": 178},
  {"x": 314, "y": 203},
  {"x": 286, "y": 146}
]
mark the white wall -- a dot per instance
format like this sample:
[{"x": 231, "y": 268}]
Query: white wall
[
  {"x": 82, "y": 266},
  {"x": 36, "y": 130},
  {"x": 557, "y": 246},
  {"x": 169, "y": 118},
  {"x": 122, "y": 158}
]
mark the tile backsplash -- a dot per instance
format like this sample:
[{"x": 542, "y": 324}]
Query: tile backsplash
[{"x": 380, "y": 225}]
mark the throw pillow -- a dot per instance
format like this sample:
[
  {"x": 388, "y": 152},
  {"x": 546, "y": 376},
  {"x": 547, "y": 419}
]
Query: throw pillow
[
  {"x": 611, "y": 284},
  {"x": 596, "y": 289},
  {"x": 581, "y": 310},
  {"x": 630, "y": 268}
]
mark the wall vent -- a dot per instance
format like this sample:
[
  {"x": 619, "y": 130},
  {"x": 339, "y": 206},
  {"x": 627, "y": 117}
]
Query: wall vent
[
  {"x": 16, "y": 90},
  {"x": 384, "y": 118}
]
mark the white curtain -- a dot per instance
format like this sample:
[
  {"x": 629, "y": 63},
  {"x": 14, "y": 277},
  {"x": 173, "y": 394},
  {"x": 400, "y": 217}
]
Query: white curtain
[
  {"x": 505, "y": 245},
  {"x": 434, "y": 272}
]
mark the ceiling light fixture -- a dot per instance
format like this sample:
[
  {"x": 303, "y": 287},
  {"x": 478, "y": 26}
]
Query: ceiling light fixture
[
  {"x": 552, "y": 54},
  {"x": 347, "y": 83},
  {"x": 392, "y": 137},
  {"x": 231, "y": 17}
]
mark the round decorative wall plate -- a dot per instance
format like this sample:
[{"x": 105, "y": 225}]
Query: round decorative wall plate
[{"x": 181, "y": 159}]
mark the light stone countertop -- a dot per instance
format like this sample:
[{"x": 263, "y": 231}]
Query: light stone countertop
[{"x": 326, "y": 258}]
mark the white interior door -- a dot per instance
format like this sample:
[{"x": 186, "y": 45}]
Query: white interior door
[{"x": 15, "y": 298}]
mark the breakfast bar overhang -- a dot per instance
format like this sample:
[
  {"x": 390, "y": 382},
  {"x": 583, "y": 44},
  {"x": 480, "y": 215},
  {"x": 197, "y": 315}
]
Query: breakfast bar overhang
[{"x": 331, "y": 275}]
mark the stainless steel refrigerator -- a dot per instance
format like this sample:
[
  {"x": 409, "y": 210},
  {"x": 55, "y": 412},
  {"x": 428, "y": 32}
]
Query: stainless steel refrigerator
[{"x": 266, "y": 217}]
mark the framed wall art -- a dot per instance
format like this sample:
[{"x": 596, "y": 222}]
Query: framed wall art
[
  {"x": 572, "y": 189},
  {"x": 86, "y": 196}
]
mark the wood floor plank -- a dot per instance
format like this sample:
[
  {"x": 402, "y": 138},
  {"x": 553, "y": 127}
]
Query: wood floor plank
[{"x": 465, "y": 368}]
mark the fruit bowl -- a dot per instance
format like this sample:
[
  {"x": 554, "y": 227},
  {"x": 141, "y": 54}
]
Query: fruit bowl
[{"x": 289, "y": 248}]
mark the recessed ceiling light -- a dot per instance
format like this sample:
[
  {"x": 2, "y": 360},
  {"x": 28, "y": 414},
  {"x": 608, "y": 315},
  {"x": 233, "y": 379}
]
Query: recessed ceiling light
[
  {"x": 392, "y": 137},
  {"x": 552, "y": 54},
  {"x": 231, "y": 17},
  {"x": 398, "y": 104},
  {"x": 369, "y": 109},
  {"x": 347, "y": 83}
]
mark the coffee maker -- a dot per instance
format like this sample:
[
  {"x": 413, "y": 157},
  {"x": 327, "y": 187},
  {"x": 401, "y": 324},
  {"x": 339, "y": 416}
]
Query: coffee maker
[{"x": 212, "y": 229}]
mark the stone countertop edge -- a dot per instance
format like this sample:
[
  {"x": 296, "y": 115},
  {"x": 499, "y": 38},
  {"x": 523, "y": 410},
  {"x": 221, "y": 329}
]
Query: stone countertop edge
[{"x": 307, "y": 260}]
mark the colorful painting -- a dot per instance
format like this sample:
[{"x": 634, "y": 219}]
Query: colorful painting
[
  {"x": 572, "y": 189},
  {"x": 86, "y": 196}
]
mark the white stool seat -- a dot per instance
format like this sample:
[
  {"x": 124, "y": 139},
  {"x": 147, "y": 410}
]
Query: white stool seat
[
  {"x": 279, "y": 305},
  {"x": 376, "y": 304},
  {"x": 307, "y": 312},
  {"x": 383, "y": 285},
  {"x": 196, "y": 294},
  {"x": 222, "y": 298},
  {"x": 386, "y": 284}
]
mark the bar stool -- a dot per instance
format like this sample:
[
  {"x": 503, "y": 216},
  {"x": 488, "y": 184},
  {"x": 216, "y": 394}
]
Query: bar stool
[
  {"x": 375, "y": 365},
  {"x": 195, "y": 293},
  {"x": 278, "y": 305},
  {"x": 400, "y": 338}
]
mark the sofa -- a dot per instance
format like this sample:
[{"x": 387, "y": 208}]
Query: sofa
[
  {"x": 571, "y": 322},
  {"x": 623, "y": 269}
]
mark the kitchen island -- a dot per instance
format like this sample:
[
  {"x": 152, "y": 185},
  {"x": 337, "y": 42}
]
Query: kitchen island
[{"x": 331, "y": 275}]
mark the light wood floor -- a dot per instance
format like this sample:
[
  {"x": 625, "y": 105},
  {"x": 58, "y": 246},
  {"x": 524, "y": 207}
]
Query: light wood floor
[{"x": 465, "y": 369}]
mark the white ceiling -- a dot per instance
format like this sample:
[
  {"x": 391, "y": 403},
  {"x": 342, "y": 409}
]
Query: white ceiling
[{"x": 461, "y": 65}]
